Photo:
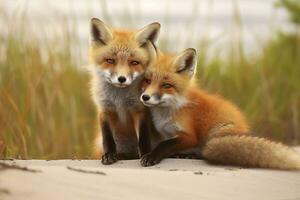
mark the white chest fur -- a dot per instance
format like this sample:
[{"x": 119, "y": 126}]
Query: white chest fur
[
  {"x": 120, "y": 100},
  {"x": 164, "y": 122}
]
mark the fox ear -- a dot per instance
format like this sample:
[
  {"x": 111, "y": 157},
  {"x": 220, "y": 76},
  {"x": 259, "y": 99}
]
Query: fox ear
[
  {"x": 100, "y": 32},
  {"x": 148, "y": 33},
  {"x": 152, "y": 51},
  {"x": 186, "y": 62}
]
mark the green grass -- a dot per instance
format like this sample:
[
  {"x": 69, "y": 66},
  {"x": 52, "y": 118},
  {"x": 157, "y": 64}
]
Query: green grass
[{"x": 46, "y": 111}]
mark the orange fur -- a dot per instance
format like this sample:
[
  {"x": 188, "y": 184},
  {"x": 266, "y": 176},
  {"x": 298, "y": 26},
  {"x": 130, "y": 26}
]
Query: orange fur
[
  {"x": 203, "y": 111},
  {"x": 215, "y": 127}
]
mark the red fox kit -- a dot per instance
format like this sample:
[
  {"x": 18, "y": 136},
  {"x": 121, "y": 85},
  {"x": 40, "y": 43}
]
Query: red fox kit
[
  {"x": 205, "y": 124},
  {"x": 119, "y": 59}
]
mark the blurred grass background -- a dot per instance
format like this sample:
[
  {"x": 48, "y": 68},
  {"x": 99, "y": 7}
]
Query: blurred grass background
[{"x": 45, "y": 107}]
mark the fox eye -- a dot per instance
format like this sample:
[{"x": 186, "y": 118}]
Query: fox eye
[
  {"x": 134, "y": 62},
  {"x": 148, "y": 81},
  {"x": 167, "y": 85},
  {"x": 110, "y": 61}
]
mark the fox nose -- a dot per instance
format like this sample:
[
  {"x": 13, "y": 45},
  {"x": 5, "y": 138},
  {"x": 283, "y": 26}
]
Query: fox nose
[
  {"x": 121, "y": 79},
  {"x": 145, "y": 97}
]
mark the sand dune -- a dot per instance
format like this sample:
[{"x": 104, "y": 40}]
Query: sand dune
[{"x": 172, "y": 179}]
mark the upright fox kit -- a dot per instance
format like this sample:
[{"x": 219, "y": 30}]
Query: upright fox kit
[
  {"x": 119, "y": 59},
  {"x": 202, "y": 123}
]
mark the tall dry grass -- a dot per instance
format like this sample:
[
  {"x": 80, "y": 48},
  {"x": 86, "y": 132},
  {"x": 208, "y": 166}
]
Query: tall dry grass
[
  {"x": 265, "y": 86},
  {"x": 45, "y": 107}
]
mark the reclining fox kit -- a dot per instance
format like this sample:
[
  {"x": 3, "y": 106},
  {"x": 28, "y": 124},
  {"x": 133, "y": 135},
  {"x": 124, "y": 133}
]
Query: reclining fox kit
[
  {"x": 201, "y": 123},
  {"x": 140, "y": 90}
]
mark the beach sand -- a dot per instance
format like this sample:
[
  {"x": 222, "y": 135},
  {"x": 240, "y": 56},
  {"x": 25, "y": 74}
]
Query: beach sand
[{"x": 171, "y": 179}]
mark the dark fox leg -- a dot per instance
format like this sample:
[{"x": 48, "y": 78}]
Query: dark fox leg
[
  {"x": 167, "y": 148},
  {"x": 109, "y": 146},
  {"x": 144, "y": 136}
]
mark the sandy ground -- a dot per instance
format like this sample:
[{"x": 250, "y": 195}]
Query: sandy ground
[{"x": 172, "y": 179}]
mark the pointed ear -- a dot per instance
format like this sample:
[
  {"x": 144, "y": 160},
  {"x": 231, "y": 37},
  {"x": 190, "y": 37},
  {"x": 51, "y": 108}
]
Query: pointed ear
[
  {"x": 186, "y": 62},
  {"x": 149, "y": 32},
  {"x": 152, "y": 51},
  {"x": 99, "y": 33}
]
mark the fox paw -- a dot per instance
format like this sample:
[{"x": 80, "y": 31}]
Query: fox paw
[
  {"x": 149, "y": 160},
  {"x": 109, "y": 158}
]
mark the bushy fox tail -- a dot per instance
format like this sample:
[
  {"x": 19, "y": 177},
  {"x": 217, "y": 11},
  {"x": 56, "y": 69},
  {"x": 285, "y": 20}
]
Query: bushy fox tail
[{"x": 249, "y": 151}]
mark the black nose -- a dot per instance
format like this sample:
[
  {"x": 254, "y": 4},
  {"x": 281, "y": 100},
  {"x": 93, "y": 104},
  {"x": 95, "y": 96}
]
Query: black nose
[
  {"x": 121, "y": 79},
  {"x": 145, "y": 97}
]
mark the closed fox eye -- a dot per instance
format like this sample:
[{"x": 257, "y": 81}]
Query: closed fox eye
[
  {"x": 148, "y": 81},
  {"x": 167, "y": 85},
  {"x": 134, "y": 63},
  {"x": 110, "y": 61}
]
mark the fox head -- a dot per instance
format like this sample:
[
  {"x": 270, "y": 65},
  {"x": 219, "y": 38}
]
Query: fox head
[
  {"x": 167, "y": 79},
  {"x": 120, "y": 56}
]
